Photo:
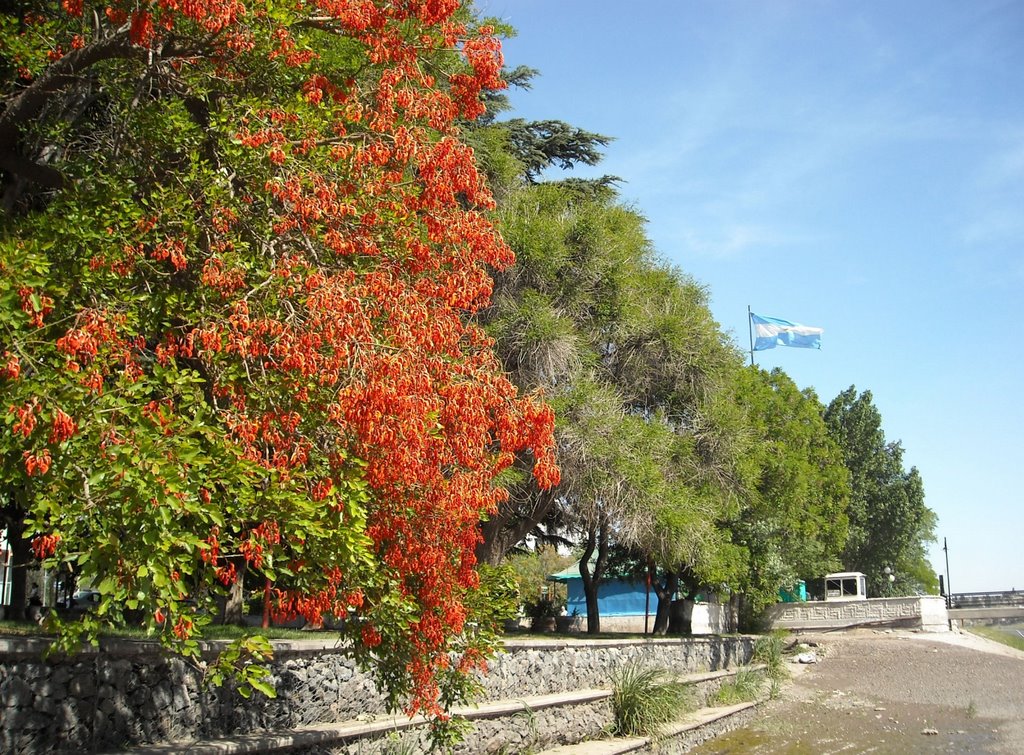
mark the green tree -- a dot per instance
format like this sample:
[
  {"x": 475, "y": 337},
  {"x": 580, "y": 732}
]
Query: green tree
[
  {"x": 669, "y": 451},
  {"x": 531, "y": 146},
  {"x": 793, "y": 523},
  {"x": 532, "y": 567},
  {"x": 676, "y": 370},
  {"x": 638, "y": 372},
  {"x": 543, "y": 144},
  {"x": 889, "y": 523}
]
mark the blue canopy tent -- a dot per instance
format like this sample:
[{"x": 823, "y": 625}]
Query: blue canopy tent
[{"x": 615, "y": 597}]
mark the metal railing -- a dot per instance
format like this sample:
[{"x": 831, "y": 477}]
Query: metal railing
[{"x": 985, "y": 599}]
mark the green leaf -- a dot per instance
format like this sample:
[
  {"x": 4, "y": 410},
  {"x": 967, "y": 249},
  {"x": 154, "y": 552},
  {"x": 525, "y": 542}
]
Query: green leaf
[{"x": 265, "y": 687}]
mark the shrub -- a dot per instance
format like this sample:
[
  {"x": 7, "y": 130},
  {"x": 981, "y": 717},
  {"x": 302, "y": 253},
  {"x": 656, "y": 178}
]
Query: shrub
[
  {"x": 543, "y": 608},
  {"x": 644, "y": 699}
]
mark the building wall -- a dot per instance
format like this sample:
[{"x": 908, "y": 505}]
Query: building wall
[
  {"x": 706, "y": 618},
  {"x": 626, "y": 607},
  {"x": 615, "y": 598}
]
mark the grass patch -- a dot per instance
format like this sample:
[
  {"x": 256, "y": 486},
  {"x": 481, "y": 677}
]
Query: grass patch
[
  {"x": 748, "y": 683},
  {"x": 20, "y": 629},
  {"x": 769, "y": 650},
  {"x": 999, "y": 635},
  {"x": 395, "y": 745},
  {"x": 644, "y": 699},
  {"x": 211, "y": 632},
  {"x": 232, "y": 632},
  {"x": 744, "y": 687}
]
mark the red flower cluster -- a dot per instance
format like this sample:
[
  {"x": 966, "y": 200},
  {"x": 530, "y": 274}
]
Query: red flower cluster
[
  {"x": 62, "y": 428},
  {"x": 11, "y": 368},
  {"x": 37, "y": 464},
  {"x": 327, "y": 290},
  {"x": 262, "y": 537},
  {"x": 36, "y": 306},
  {"x": 26, "y": 421},
  {"x": 44, "y": 546}
]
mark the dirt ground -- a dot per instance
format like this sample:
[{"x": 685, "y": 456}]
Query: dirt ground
[{"x": 892, "y": 692}]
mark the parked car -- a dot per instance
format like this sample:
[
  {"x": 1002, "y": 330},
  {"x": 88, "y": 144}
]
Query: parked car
[{"x": 83, "y": 600}]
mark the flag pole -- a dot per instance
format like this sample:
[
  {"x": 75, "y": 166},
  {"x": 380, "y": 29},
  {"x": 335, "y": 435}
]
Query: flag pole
[{"x": 750, "y": 332}]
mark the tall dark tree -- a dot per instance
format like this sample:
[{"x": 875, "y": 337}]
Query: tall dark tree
[
  {"x": 889, "y": 521},
  {"x": 542, "y": 144}
]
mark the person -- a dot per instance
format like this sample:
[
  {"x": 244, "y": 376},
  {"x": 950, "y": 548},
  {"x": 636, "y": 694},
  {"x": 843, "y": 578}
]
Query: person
[{"x": 34, "y": 599}]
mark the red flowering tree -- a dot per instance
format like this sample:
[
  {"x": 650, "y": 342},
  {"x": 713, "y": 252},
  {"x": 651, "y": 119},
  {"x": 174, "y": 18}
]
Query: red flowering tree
[{"x": 242, "y": 245}]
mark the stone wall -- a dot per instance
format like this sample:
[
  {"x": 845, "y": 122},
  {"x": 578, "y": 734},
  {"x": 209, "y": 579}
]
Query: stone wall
[
  {"x": 539, "y": 667},
  {"x": 129, "y": 693},
  {"x": 126, "y": 692},
  {"x": 926, "y": 612}
]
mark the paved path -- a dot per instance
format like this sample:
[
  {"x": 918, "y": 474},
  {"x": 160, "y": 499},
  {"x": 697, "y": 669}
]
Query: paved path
[{"x": 893, "y": 692}]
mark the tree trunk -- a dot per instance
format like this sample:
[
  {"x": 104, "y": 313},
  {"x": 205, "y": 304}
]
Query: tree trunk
[
  {"x": 21, "y": 557},
  {"x": 265, "y": 624},
  {"x": 507, "y": 528},
  {"x": 597, "y": 539},
  {"x": 589, "y": 583},
  {"x": 234, "y": 605},
  {"x": 665, "y": 591},
  {"x": 490, "y": 549},
  {"x": 737, "y": 606},
  {"x": 688, "y": 587}
]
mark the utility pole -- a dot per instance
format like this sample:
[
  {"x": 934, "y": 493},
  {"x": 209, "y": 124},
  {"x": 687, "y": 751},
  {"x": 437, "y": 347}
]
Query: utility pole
[{"x": 949, "y": 592}]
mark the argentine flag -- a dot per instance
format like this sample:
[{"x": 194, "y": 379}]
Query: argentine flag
[{"x": 770, "y": 332}]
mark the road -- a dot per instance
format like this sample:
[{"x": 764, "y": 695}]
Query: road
[{"x": 892, "y": 692}]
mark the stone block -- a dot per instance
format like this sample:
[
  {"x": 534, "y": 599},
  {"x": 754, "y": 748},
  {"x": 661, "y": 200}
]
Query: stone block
[
  {"x": 181, "y": 697},
  {"x": 44, "y": 704},
  {"x": 114, "y": 672},
  {"x": 17, "y": 693},
  {"x": 83, "y": 685},
  {"x": 68, "y": 715}
]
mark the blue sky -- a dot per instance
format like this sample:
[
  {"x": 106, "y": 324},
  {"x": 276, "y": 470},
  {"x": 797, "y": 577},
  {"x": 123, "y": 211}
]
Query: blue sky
[{"x": 853, "y": 166}]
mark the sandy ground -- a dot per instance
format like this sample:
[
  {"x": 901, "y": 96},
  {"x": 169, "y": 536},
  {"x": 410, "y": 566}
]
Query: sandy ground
[{"x": 892, "y": 692}]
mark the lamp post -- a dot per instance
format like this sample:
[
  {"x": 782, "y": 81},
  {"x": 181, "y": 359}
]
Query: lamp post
[
  {"x": 949, "y": 592},
  {"x": 891, "y": 577}
]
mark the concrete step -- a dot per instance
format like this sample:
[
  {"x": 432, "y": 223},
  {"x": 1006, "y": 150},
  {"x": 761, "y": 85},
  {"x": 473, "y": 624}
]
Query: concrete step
[
  {"x": 611, "y": 746},
  {"x": 679, "y": 737},
  {"x": 704, "y": 724},
  {"x": 524, "y": 724},
  {"x": 527, "y": 717}
]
